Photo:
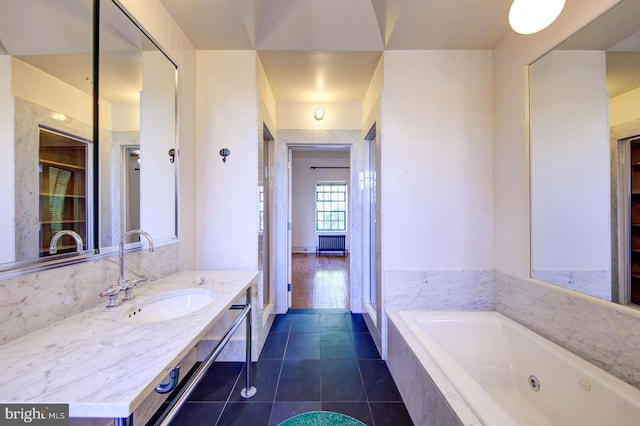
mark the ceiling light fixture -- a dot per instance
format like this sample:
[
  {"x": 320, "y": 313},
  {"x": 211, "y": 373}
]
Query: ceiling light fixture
[
  {"x": 318, "y": 114},
  {"x": 58, "y": 116},
  {"x": 531, "y": 16}
]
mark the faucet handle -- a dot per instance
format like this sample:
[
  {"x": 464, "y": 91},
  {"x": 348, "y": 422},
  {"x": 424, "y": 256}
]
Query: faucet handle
[
  {"x": 129, "y": 285},
  {"x": 112, "y": 292}
]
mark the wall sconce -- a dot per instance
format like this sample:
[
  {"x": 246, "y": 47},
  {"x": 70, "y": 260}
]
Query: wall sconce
[
  {"x": 318, "y": 114},
  {"x": 172, "y": 155},
  {"x": 531, "y": 16},
  {"x": 224, "y": 153}
]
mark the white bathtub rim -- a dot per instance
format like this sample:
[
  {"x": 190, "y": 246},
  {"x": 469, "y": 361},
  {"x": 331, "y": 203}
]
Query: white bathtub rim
[
  {"x": 615, "y": 384},
  {"x": 479, "y": 401},
  {"x": 450, "y": 393}
]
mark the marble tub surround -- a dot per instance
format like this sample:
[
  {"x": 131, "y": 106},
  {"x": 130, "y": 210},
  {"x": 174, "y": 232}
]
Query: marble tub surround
[
  {"x": 416, "y": 375},
  {"x": 104, "y": 366},
  {"x": 33, "y": 301},
  {"x": 439, "y": 290},
  {"x": 461, "y": 290},
  {"x": 603, "y": 333}
]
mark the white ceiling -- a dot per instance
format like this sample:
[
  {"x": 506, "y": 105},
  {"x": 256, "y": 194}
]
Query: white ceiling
[
  {"x": 327, "y": 51},
  {"x": 312, "y": 51}
]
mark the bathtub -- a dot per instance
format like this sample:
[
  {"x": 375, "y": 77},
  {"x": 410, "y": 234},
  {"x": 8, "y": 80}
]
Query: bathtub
[{"x": 481, "y": 368}]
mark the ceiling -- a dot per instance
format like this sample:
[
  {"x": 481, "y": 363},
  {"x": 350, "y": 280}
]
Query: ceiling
[
  {"x": 312, "y": 51},
  {"x": 328, "y": 50}
]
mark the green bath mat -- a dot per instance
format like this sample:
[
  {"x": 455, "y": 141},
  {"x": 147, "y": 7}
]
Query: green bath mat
[{"x": 321, "y": 418}]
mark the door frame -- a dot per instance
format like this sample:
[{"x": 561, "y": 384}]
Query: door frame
[{"x": 320, "y": 139}]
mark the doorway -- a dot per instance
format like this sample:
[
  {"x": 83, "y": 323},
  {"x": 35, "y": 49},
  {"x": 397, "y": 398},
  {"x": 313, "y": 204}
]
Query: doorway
[
  {"x": 319, "y": 282},
  {"x": 320, "y": 183},
  {"x": 628, "y": 236},
  {"x": 132, "y": 162}
]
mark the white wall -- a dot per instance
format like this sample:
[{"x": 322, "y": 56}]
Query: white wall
[
  {"x": 436, "y": 160},
  {"x": 125, "y": 117},
  {"x": 268, "y": 112},
  {"x": 7, "y": 195},
  {"x": 227, "y": 204},
  {"x": 570, "y": 163},
  {"x": 437, "y": 186},
  {"x": 625, "y": 107},
  {"x": 345, "y": 115},
  {"x": 28, "y": 81},
  {"x": 304, "y": 237},
  {"x": 371, "y": 101}
]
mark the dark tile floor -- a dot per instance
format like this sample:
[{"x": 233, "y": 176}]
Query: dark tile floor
[{"x": 322, "y": 359}]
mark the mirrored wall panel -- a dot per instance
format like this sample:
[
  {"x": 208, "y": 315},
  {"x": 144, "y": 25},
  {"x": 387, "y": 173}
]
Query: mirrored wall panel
[
  {"x": 46, "y": 129},
  {"x": 584, "y": 97},
  {"x": 137, "y": 131},
  {"x": 63, "y": 192}
]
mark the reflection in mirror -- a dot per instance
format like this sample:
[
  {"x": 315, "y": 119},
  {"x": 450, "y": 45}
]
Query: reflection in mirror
[
  {"x": 46, "y": 70},
  {"x": 46, "y": 105},
  {"x": 137, "y": 130},
  {"x": 583, "y": 100},
  {"x": 64, "y": 168},
  {"x": 265, "y": 213}
]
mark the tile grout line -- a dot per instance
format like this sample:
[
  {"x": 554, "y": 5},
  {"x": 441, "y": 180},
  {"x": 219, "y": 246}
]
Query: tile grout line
[
  {"x": 364, "y": 386},
  {"x": 226, "y": 403},
  {"x": 275, "y": 393}
]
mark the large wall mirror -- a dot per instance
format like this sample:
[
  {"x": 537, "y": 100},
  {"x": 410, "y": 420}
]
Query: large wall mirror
[
  {"x": 585, "y": 103},
  {"x": 58, "y": 184},
  {"x": 137, "y": 123}
]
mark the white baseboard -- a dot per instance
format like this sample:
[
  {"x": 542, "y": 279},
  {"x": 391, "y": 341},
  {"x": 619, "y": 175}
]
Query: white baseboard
[{"x": 303, "y": 250}]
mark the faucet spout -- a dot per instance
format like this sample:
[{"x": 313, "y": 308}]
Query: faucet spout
[
  {"x": 123, "y": 239},
  {"x": 53, "y": 249}
]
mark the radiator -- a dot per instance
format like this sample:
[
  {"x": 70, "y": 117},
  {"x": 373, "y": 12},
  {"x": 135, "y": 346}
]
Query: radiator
[{"x": 331, "y": 244}]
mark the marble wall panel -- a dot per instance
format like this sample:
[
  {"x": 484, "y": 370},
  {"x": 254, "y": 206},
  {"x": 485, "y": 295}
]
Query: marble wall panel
[
  {"x": 439, "y": 290},
  {"x": 435, "y": 291},
  {"x": 603, "y": 333},
  {"x": 32, "y": 301}
]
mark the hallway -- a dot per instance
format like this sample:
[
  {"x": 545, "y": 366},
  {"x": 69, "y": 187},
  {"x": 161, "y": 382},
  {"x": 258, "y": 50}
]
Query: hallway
[
  {"x": 319, "y": 282},
  {"x": 316, "y": 359}
]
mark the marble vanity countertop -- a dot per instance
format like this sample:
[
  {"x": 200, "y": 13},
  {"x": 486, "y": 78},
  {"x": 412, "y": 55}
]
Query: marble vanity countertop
[{"x": 103, "y": 365}]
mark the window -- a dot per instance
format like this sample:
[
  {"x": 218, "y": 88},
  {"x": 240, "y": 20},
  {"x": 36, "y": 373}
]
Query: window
[{"x": 331, "y": 206}]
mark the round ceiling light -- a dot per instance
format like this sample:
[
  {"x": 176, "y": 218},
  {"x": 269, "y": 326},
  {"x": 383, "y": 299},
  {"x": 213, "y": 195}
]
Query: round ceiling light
[{"x": 531, "y": 16}]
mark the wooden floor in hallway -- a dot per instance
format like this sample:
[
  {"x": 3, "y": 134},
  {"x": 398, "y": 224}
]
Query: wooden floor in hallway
[{"x": 319, "y": 282}]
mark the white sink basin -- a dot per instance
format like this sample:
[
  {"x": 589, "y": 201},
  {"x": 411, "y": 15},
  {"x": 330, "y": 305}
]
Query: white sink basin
[{"x": 169, "y": 305}]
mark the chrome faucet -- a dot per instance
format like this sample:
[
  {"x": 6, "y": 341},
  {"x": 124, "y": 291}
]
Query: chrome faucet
[
  {"x": 125, "y": 285},
  {"x": 53, "y": 249},
  {"x": 126, "y": 235}
]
